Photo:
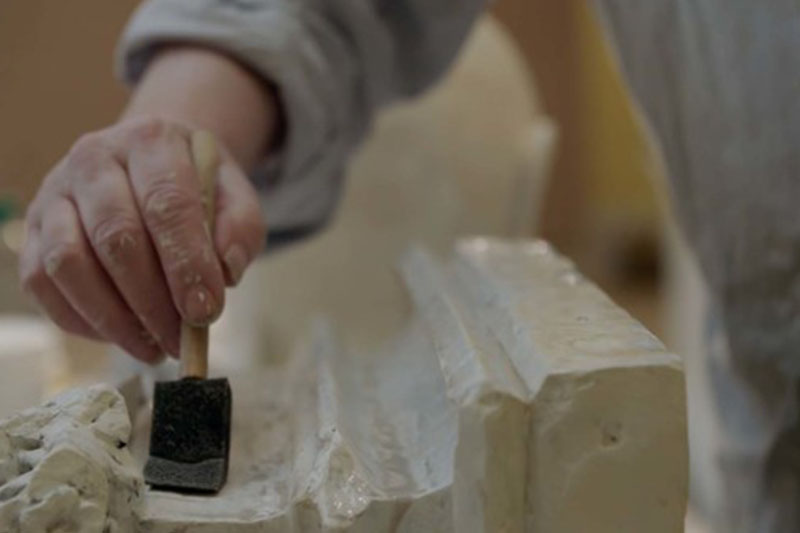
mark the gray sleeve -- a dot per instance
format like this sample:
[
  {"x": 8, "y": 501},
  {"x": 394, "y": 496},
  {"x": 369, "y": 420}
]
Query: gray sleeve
[{"x": 335, "y": 63}]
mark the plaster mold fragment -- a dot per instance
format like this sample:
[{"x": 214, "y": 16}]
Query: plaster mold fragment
[
  {"x": 65, "y": 466},
  {"x": 571, "y": 414},
  {"x": 517, "y": 399}
]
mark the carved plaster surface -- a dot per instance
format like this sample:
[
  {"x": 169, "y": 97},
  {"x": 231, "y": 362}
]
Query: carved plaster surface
[
  {"x": 65, "y": 466},
  {"x": 519, "y": 398}
]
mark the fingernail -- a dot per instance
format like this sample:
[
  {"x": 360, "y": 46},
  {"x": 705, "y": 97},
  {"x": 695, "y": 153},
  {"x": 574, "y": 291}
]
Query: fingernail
[
  {"x": 201, "y": 308},
  {"x": 235, "y": 261}
]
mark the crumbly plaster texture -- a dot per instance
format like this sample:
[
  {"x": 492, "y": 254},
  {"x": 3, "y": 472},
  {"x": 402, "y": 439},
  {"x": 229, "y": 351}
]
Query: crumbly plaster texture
[
  {"x": 65, "y": 467},
  {"x": 519, "y": 398}
]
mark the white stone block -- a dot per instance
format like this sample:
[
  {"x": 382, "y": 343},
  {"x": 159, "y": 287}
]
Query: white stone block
[{"x": 518, "y": 398}]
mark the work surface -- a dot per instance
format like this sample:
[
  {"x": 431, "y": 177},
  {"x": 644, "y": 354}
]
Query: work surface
[{"x": 518, "y": 398}]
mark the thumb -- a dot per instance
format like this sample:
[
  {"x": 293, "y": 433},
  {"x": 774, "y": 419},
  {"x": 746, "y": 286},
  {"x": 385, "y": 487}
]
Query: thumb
[{"x": 240, "y": 231}]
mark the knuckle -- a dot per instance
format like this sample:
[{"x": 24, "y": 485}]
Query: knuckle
[
  {"x": 174, "y": 221},
  {"x": 88, "y": 152},
  {"x": 115, "y": 238},
  {"x": 166, "y": 203},
  {"x": 148, "y": 129},
  {"x": 182, "y": 259},
  {"x": 59, "y": 255}
]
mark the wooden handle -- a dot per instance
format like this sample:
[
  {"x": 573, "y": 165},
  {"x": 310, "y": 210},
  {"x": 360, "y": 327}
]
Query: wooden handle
[{"x": 194, "y": 340}]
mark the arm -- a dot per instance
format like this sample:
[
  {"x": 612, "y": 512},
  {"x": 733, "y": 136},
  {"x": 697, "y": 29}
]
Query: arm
[
  {"x": 118, "y": 223},
  {"x": 211, "y": 91},
  {"x": 334, "y": 64},
  {"x": 117, "y": 226}
]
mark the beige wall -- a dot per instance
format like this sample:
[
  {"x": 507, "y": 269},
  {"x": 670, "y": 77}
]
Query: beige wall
[
  {"x": 602, "y": 177},
  {"x": 55, "y": 81}
]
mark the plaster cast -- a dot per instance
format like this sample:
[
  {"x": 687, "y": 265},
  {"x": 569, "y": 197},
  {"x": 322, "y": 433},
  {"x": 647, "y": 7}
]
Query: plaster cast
[
  {"x": 518, "y": 398},
  {"x": 65, "y": 466}
]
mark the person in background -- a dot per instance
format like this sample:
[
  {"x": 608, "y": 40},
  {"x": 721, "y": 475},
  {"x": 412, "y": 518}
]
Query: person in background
[{"x": 289, "y": 87}]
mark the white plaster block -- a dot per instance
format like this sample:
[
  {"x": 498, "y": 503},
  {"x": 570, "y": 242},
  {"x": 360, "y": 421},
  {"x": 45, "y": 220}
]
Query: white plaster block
[
  {"x": 518, "y": 398},
  {"x": 554, "y": 380},
  {"x": 66, "y": 467}
]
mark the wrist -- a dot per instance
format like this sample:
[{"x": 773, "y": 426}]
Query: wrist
[{"x": 210, "y": 90}]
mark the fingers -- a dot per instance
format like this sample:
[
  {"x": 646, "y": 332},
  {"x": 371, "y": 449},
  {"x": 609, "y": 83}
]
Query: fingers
[
  {"x": 37, "y": 283},
  {"x": 72, "y": 267},
  {"x": 111, "y": 222},
  {"x": 168, "y": 194},
  {"x": 240, "y": 230},
  {"x": 118, "y": 245}
]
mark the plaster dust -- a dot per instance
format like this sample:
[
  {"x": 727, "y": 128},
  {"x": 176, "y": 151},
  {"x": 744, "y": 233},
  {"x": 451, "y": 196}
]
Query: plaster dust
[{"x": 518, "y": 398}]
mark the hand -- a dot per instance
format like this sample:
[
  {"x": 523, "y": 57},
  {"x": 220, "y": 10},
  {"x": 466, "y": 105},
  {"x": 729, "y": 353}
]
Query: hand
[{"x": 116, "y": 246}]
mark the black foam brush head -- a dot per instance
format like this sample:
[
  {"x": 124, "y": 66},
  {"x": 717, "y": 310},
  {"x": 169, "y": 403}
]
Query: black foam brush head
[{"x": 190, "y": 439}]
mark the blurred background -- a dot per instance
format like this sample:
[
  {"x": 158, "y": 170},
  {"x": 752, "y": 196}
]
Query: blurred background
[
  {"x": 599, "y": 206},
  {"x": 561, "y": 130}
]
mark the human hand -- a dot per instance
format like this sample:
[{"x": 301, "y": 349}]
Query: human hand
[{"x": 116, "y": 246}]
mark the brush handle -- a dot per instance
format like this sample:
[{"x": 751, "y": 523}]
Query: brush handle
[{"x": 194, "y": 340}]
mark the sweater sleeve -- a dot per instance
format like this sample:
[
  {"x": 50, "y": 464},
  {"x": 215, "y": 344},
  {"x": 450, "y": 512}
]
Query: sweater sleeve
[{"x": 334, "y": 62}]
